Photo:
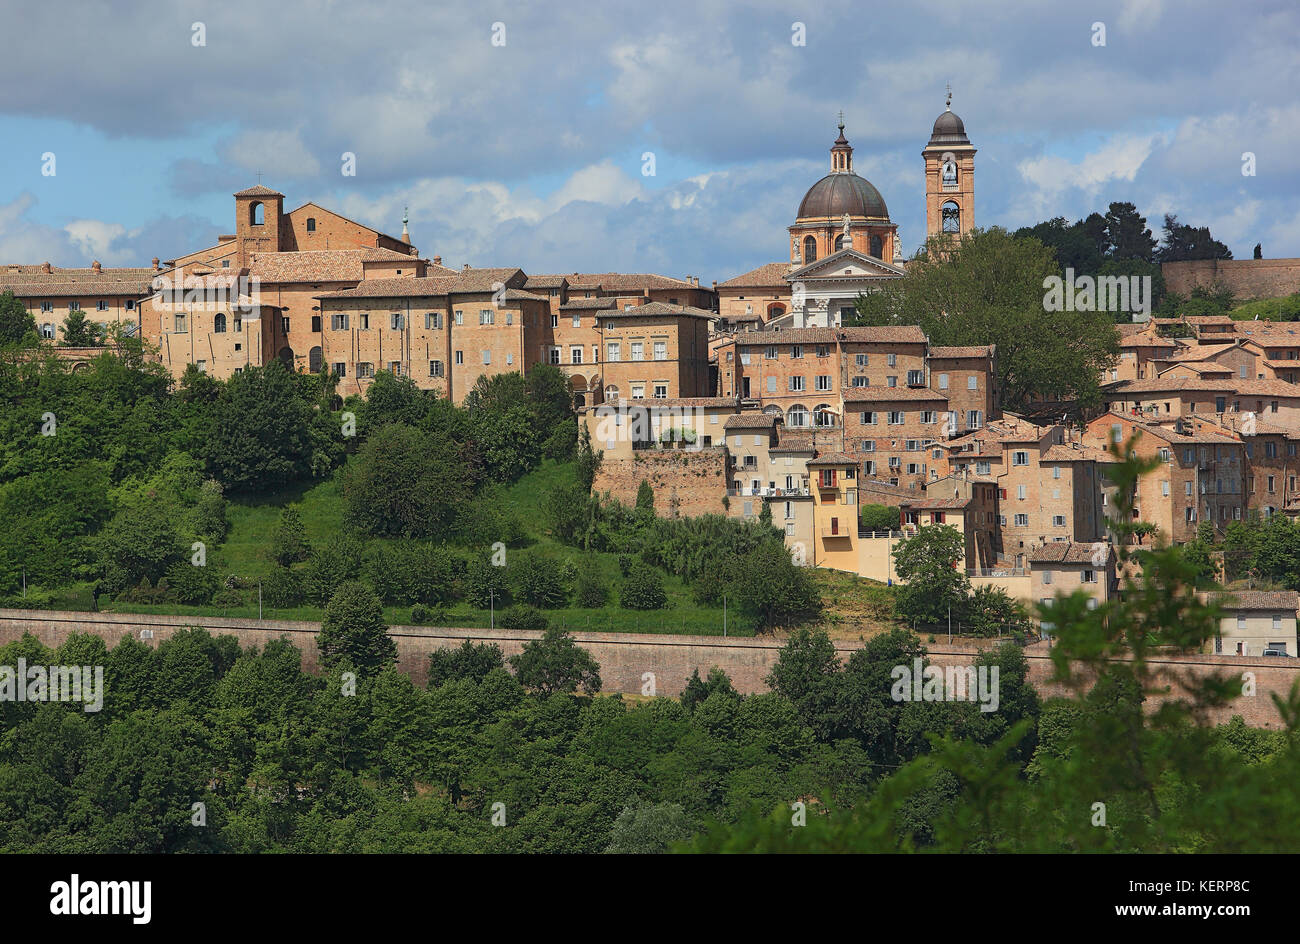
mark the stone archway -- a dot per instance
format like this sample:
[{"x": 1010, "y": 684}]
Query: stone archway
[{"x": 286, "y": 357}]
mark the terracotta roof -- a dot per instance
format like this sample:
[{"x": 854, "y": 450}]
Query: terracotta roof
[
  {"x": 658, "y": 309},
  {"x": 924, "y": 502},
  {"x": 1267, "y": 388},
  {"x": 31, "y": 274},
  {"x": 313, "y": 265},
  {"x": 398, "y": 287},
  {"x": 789, "y": 440},
  {"x": 704, "y": 403},
  {"x": 1147, "y": 340},
  {"x": 1067, "y": 552},
  {"x": 1068, "y": 453},
  {"x": 373, "y": 254},
  {"x": 744, "y": 317},
  {"x": 980, "y": 350},
  {"x": 619, "y": 281},
  {"x": 1256, "y": 599},
  {"x": 883, "y": 394},
  {"x": 1201, "y": 370},
  {"x": 771, "y": 275},
  {"x": 1201, "y": 352},
  {"x": 259, "y": 191},
  {"x": 884, "y": 334},
  {"x": 836, "y": 458},
  {"x": 545, "y": 281},
  {"x": 583, "y": 304},
  {"x": 751, "y": 420},
  {"x": 109, "y": 287}
]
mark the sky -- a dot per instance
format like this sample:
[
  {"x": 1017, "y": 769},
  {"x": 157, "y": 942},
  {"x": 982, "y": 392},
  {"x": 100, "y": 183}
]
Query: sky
[{"x": 518, "y": 133}]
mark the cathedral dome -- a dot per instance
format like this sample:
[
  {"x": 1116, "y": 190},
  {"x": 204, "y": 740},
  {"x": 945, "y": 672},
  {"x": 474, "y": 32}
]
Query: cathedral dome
[{"x": 840, "y": 193}]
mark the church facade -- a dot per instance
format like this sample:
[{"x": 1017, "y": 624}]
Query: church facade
[{"x": 843, "y": 242}]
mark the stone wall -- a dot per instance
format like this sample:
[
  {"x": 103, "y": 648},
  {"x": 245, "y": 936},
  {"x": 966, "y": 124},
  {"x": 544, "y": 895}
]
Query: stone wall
[
  {"x": 686, "y": 482},
  {"x": 625, "y": 658},
  {"x": 1248, "y": 278}
]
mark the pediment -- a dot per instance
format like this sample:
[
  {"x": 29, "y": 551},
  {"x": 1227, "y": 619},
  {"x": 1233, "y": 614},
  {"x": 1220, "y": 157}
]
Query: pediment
[{"x": 845, "y": 264}]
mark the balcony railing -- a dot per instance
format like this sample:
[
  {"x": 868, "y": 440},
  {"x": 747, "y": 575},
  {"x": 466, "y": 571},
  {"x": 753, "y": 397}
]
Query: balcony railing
[
  {"x": 841, "y": 533},
  {"x": 751, "y": 492},
  {"x": 878, "y": 535},
  {"x": 996, "y": 571}
]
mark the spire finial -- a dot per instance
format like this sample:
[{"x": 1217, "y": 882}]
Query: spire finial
[
  {"x": 948, "y": 103},
  {"x": 405, "y": 217},
  {"x": 259, "y": 178},
  {"x": 841, "y": 125}
]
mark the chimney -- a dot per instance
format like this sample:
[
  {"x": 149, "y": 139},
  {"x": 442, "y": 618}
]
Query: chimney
[
  {"x": 155, "y": 263},
  {"x": 46, "y": 268},
  {"x": 715, "y": 285},
  {"x": 437, "y": 260},
  {"x": 466, "y": 267},
  {"x": 96, "y": 267}
]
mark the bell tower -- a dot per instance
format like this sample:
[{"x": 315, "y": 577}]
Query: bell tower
[
  {"x": 949, "y": 177},
  {"x": 257, "y": 221}
]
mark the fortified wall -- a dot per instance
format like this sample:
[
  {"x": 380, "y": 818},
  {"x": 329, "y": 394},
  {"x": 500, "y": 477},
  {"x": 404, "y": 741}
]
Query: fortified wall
[
  {"x": 625, "y": 658},
  {"x": 1247, "y": 278}
]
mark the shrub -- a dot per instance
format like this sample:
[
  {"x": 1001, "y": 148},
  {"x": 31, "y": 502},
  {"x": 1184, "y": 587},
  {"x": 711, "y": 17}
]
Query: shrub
[
  {"x": 524, "y": 617},
  {"x": 467, "y": 661},
  {"x": 485, "y": 584},
  {"x": 538, "y": 582},
  {"x": 190, "y": 585},
  {"x": 337, "y": 562},
  {"x": 282, "y": 588},
  {"x": 228, "y": 599},
  {"x": 590, "y": 590},
  {"x": 644, "y": 590}
]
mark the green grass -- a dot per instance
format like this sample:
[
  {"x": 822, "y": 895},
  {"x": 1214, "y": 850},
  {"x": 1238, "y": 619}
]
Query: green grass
[{"x": 252, "y": 524}]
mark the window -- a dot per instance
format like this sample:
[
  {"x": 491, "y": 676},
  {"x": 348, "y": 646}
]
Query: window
[
  {"x": 486, "y": 316},
  {"x": 364, "y": 321},
  {"x": 770, "y": 353},
  {"x": 1047, "y": 576},
  {"x": 219, "y": 323},
  {"x": 797, "y": 416},
  {"x": 395, "y": 368},
  {"x": 101, "y": 305},
  {"x": 487, "y": 357},
  {"x": 823, "y": 382},
  {"x": 943, "y": 381},
  {"x": 433, "y": 321},
  {"x": 1022, "y": 521},
  {"x": 860, "y": 381},
  {"x": 460, "y": 317},
  {"x": 552, "y": 356},
  {"x": 896, "y": 417},
  {"x": 862, "y": 360},
  {"x": 892, "y": 360},
  {"x": 315, "y": 324},
  {"x": 916, "y": 378},
  {"x": 661, "y": 350},
  {"x": 638, "y": 348},
  {"x": 130, "y": 304},
  {"x": 202, "y": 366},
  {"x": 74, "y": 306},
  {"x": 397, "y": 322},
  {"x": 1277, "y": 622},
  {"x": 460, "y": 357},
  {"x": 796, "y": 350},
  {"x": 1020, "y": 457},
  {"x": 1164, "y": 489},
  {"x": 868, "y": 419},
  {"x": 612, "y": 351},
  {"x": 974, "y": 419},
  {"x": 435, "y": 368},
  {"x": 972, "y": 382},
  {"x": 1022, "y": 492},
  {"x": 982, "y": 467},
  {"x": 891, "y": 381},
  {"x": 180, "y": 324},
  {"x": 661, "y": 393},
  {"x": 338, "y": 322},
  {"x": 1088, "y": 576},
  {"x": 796, "y": 384},
  {"x": 577, "y": 321},
  {"x": 365, "y": 369},
  {"x": 340, "y": 368},
  {"x": 1056, "y": 471},
  {"x": 1058, "y": 521},
  {"x": 823, "y": 350},
  {"x": 575, "y": 354}
]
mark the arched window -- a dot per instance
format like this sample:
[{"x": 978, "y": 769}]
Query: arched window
[
  {"x": 286, "y": 357},
  {"x": 579, "y": 401},
  {"x": 809, "y": 250},
  {"x": 839, "y": 242},
  {"x": 219, "y": 323},
  {"x": 774, "y": 410},
  {"x": 256, "y": 213},
  {"x": 775, "y": 311},
  {"x": 611, "y": 394},
  {"x": 951, "y": 218},
  {"x": 315, "y": 359},
  {"x": 877, "y": 247},
  {"x": 311, "y": 224},
  {"x": 823, "y": 415},
  {"x": 797, "y": 416}
]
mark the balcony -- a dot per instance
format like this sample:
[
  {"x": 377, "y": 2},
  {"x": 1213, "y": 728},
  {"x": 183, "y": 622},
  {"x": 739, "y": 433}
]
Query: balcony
[
  {"x": 828, "y": 532},
  {"x": 751, "y": 492},
  {"x": 996, "y": 571}
]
